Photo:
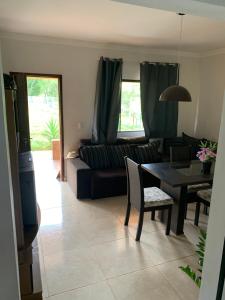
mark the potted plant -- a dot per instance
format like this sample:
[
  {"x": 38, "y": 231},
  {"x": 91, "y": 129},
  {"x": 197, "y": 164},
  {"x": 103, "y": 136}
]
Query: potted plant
[
  {"x": 207, "y": 155},
  {"x": 51, "y": 133},
  {"x": 196, "y": 275}
]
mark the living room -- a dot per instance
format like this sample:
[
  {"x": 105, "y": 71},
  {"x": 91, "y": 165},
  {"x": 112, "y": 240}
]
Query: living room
[{"x": 68, "y": 247}]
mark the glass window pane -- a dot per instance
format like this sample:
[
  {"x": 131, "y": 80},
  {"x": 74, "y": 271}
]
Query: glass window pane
[{"x": 130, "y": 118}]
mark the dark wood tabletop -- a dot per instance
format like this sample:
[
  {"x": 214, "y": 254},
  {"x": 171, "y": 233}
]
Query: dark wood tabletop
[{"x": 179, "y": 174}]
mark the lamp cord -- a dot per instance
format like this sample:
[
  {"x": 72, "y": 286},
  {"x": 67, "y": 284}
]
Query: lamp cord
[{"x": 179, "y": 43}]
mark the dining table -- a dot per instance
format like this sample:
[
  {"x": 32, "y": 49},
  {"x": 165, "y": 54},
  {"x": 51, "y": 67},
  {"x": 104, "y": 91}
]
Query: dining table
[{"x": 175, "y": 178}]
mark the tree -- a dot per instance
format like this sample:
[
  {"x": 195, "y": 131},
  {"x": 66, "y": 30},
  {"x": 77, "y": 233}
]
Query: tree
[
  {"x": 34, "y": 87},
  {"x": 47, "y": 87}
]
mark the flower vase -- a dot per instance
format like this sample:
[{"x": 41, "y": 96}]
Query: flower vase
[{"x": 206, "y": 167}]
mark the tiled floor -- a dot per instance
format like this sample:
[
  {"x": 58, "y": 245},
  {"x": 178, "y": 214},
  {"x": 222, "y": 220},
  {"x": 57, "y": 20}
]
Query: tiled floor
[{"x": 86, "y": 253}]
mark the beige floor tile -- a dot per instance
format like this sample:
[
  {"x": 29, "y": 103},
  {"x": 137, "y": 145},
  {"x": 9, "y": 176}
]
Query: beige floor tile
[
  {"x": 62, "y": 240},
  {"x": 121, "y": 257},
  {"x": 99, "y": 291},
  {"x": 148, "y": 225},
  {"x": 68, "y": 270},
  {"x": 43, "y": 273},
  {"x": 59, "y": 231},
  {"x": 82, "y": 243},
  {"x": 104, "y": 229},
  {"x": 162, "y": 248},
  {"x": 145, "y": 285},
  {"x": 184, "y": 286}
]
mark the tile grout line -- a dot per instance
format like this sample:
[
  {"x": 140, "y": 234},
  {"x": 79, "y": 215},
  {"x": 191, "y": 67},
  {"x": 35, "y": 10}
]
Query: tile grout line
[
  {"x": 170, "y": 284},
  {"x": 44, "y": 267},
  {"x": 78, "y": 288},
  {"x": 113, "y": 277},
  {"x": 121, "y": 275}
]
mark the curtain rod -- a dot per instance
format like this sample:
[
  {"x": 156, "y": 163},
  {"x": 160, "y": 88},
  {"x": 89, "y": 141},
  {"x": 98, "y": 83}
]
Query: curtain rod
[{"x": 112, "y": 59}]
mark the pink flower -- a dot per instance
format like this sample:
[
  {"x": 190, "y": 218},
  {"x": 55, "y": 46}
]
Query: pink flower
[{"x": 206, "y": 154}]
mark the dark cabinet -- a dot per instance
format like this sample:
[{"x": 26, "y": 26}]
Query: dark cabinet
[{"x": 27, "y": 213}]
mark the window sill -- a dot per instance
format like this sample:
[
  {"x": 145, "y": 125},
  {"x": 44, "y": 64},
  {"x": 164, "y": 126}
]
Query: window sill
[{"x": 128, "y": 134}]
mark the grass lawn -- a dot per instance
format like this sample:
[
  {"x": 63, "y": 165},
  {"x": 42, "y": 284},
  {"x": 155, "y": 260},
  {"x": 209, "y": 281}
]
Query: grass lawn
[{"x": 39, "y": 142}]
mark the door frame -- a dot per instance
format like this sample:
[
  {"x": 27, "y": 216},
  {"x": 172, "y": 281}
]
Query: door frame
[{"x": 61, "y": 119}]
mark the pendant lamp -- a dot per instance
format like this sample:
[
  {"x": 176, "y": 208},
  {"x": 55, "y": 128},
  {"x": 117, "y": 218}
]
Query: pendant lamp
[{"x": 177, "y": 92}]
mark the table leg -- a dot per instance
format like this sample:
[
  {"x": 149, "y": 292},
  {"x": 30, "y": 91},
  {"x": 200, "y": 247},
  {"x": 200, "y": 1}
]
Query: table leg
[{"x": 178, "y": 212}]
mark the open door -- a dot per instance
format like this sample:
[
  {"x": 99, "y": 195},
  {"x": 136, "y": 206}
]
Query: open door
[{"x": 40, "y": 99}]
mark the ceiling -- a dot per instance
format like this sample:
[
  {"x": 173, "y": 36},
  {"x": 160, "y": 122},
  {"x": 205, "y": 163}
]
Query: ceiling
[{"x": 110, "y": 22}]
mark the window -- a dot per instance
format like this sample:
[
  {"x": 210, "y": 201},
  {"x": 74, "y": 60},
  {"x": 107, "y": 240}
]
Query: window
[{"x": 130, "y": 117}]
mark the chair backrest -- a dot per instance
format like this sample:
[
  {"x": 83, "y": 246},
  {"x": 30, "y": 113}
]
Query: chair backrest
[
  {"x": 180, "y": 153},
  {"x": 134, "y": 183}
]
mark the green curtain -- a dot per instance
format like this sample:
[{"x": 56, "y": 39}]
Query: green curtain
[
  {"x": 107, "y": 101},
  {"x": 159, "y": 118}
]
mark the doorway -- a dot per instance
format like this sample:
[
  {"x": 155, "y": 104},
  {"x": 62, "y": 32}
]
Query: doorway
[{"x": 44, "y": 93}]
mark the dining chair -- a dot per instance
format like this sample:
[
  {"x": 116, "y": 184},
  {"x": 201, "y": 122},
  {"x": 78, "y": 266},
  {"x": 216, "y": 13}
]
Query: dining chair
[
  {"x": 144, "y": 199},
  {"x": 183, "y": 154},
  {"x": 204, "y": 197},
  {"x": 180, "y": 154}
]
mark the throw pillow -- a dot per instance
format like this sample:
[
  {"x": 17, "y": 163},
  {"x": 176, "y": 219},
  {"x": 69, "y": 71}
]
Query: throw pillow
[
  {"x": 95, "y": 156},
  {"x": 148, "y": 153},
  {"x": 118, "y": 152},
  {"x": 161, "y": 142}
]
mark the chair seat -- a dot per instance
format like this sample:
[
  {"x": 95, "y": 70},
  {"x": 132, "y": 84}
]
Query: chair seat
[
  {"x": 198, "y": 187},
  {"x": 153, "y": 196},
  {"x": 205, "y": 194}
]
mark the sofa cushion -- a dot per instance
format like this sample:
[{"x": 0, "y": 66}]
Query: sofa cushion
[
  {"x": 161, "y": 142},
  {"x": 148, "y": 153},
  {"x": 108, "y": 182},
  {"x": 95, "y": 156},
  {"x": 118, "y": 152},
  {"x": 132, "y": 140}
]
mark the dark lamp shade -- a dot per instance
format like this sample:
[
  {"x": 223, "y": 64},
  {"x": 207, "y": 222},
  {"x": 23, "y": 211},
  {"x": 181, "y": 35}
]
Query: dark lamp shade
[{"x": 176, "y": 93}]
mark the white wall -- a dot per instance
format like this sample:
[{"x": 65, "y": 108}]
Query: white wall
[
  {"x": 9, "y": 289},
  {"x": 212, "y": 83},
  {"x": 78, "y": 65},
  {"x": 216, "y": 225}
]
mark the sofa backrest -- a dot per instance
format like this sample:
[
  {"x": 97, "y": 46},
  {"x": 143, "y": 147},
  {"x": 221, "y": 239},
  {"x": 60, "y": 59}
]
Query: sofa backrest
[
  {"x": 112, "y": 156},
  {"x": 96, "y": 157},
  {"x": 138, "y": 149}
]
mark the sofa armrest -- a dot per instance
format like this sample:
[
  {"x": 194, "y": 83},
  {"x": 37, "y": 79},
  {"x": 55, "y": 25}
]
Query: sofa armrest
[
  {"x": 79, "y": 177},
  {"x": 79, "y": 164}
]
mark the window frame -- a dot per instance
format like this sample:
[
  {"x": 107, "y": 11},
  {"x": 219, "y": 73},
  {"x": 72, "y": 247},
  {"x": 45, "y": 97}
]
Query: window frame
[{"x": 130, "y": 133}]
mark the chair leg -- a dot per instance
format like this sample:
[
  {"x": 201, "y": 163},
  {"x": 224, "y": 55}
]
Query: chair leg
[
  {"x": 205, "y": 210},
  {"x": 197, "y": 212},
  {"x": 153, "y": 215},
  {"x": 140, "y": 224},
  {"x": 185, "y": 212},
  {"x": 169, "y": 220},
  {"x": 127, "y": 214}
]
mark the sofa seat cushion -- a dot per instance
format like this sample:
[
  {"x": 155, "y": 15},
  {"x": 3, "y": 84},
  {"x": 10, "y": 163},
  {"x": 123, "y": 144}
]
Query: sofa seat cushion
[
  {"x": 118, "y": 152},
  {"x": 95, "y": 156},
  {"x": 205, "y": 195},
  {"x": 110, "y": 174},
  {"x": 108, "y": 182},
  {"x": 198, "y": 187},
  {"x": 148, "y": 153}
]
